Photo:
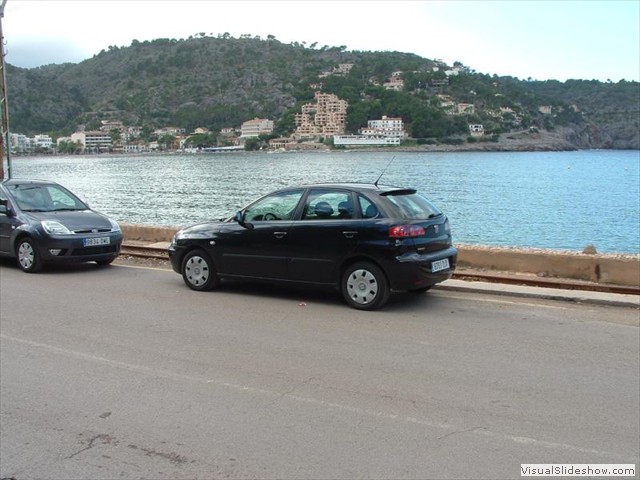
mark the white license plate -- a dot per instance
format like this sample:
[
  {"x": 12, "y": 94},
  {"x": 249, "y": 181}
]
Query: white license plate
[
  {"x": 93, "y": 242},
  {"x": 440, "y": 265}
]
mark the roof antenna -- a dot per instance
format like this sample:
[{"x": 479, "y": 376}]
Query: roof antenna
[{"x": 383, "y": 171}]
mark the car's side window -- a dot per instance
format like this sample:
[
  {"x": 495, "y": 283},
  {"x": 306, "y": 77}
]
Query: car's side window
[
  {"x": 279, "y": 206},
  {"x": 328, "y": 205},
  {"x": 3, "y": 203},
  {"x": 369, "y": 210}
]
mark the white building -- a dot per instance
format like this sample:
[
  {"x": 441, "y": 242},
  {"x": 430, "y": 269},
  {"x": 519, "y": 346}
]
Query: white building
[
  {"x": 19, "y": 143},
  {"x": 93, "y": 141},
  {"x": 476, "y": 129},
  {"x": 43, "y": 142},
  {"x": 385, "y": 127},
  {"x": 364, "y": 140},
  {"x": 256, "y": 127}
]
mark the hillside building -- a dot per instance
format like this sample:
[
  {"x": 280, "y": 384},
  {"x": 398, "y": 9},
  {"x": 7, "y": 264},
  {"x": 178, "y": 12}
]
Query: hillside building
[
  {"x": 93, "y": 141},
  {"x": 326, "y": 117},
  {"x": 385, "y": 127},
  {"x": 256, "y": 127}
]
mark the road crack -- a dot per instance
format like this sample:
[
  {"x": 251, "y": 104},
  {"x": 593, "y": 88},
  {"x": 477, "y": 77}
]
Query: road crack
[{"x": 103, "y": 437}]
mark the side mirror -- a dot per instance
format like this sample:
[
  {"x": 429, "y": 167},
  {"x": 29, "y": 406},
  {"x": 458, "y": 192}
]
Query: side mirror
[
  {"x": 5, "y": 209},
  {"x": 239, "y": 217}
]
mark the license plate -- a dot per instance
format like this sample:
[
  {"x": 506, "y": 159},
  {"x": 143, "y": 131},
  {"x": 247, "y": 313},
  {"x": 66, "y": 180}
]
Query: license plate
[
  {"x": 93, "y": 242},
  {"x": 440, "y": 265}
]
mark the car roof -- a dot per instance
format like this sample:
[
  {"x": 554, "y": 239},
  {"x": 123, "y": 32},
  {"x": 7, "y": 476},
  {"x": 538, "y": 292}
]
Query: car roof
[
  {"x": 359, "y": 187},
  {"x": 24, "y": 181}
]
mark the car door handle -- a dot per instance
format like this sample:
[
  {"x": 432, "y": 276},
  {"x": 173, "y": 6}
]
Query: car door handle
[
  {"x": 279, "y": 234},
  {"x": 349, "y": 234}
]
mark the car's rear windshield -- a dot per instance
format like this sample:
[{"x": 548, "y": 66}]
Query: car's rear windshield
[{"x": 412, "y": 206}]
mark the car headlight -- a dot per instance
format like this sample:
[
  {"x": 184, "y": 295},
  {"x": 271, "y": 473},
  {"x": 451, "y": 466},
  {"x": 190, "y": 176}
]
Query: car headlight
[
  {"x": 114, "y": 226},
  {"x": 179, "y": 235},
  {"x": 55, "y": 228}
]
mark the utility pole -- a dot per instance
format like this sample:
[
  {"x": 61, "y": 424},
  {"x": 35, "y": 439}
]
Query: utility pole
[{"x": 5, "y": 145}]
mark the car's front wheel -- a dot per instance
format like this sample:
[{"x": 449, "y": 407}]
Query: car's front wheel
[
  {"x": 198, "y": 271},
  {"x": 28, "y": 257},
  {"x": 364, "y": 286}
]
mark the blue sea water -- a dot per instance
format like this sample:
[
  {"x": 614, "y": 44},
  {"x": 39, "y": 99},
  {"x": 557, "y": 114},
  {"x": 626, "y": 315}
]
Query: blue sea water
[{"x": 550, "y": 200}]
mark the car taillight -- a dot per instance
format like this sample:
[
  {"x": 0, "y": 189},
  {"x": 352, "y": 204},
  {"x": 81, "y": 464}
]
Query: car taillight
[{"x": 406, "y": 231}]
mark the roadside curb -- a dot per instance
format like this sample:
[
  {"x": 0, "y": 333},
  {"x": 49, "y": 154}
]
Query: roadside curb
[{"x": 568, "y": 295}]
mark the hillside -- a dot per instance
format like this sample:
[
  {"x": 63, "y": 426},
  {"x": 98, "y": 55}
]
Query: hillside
[{"x": 221, "y": 82}]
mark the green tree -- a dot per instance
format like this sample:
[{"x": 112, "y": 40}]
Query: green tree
[
  {"x": 252, "y": 144},
  {"x": 166, "y": 141}
]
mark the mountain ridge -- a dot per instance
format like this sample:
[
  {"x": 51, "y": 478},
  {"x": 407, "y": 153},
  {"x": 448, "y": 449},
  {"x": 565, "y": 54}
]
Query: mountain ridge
[{"x": 218, "y": 82}]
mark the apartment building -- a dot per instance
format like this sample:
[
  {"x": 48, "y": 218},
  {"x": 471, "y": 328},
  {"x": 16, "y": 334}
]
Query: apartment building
[
  {"x": 19, "y": 143},
  {"x": 385, "y": 127},
  {"x": 93, "y": 141},
  {"x": 43, "y": 142},
  {"x": 326, "y": 117},
  {"x": 256, "y": 127}
]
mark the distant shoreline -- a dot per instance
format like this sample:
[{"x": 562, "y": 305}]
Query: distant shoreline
[{"x": 544, "y": 141}]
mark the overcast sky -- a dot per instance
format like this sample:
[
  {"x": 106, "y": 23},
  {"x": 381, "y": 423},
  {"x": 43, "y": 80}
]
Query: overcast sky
[{"x": 538, "y": 39}]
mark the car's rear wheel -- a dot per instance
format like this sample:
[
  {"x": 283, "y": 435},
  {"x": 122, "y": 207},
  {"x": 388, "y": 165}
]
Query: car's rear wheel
[
  {"x": 28, "y": 257},
  {"x": 364, "y": 286},
  {"x": 198, "y": 271}
]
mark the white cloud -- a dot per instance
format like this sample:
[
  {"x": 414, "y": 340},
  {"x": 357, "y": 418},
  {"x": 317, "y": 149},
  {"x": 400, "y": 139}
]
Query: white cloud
[{"x": 539, "y": 39}]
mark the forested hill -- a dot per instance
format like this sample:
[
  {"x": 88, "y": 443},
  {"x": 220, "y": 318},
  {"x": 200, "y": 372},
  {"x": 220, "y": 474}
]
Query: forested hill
[{"x": 218, "y": 82}]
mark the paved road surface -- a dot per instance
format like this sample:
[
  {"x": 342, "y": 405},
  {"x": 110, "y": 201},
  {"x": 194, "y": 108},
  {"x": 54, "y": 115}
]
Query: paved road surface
[{"x": 123, "y": 372}]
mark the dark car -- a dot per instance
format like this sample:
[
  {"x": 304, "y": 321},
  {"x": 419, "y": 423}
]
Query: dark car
[
  {"x": 366, "y": 240},
  {"x": 43, "y": 222}
]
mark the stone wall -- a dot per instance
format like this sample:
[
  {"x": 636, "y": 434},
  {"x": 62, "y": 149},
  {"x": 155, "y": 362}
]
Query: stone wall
[{"x": 599, "y": 268}]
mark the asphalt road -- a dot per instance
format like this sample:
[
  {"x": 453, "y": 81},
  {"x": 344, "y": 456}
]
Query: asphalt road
[{"x": 123, "y": 372}]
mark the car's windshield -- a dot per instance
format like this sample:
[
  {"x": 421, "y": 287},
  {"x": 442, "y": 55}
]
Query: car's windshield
[
  {"x": 45, "y": 198},
  {"x": 413, "y": 206}
]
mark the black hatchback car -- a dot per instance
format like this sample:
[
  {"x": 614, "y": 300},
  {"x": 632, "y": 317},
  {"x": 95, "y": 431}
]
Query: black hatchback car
[
  {"x": 43, "y": 222},
  {"x": 366, "y": 240}
]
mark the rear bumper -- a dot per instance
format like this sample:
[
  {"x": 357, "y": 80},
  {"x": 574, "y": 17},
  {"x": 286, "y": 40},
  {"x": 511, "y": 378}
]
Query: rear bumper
[{"x": 414, "y": 271}]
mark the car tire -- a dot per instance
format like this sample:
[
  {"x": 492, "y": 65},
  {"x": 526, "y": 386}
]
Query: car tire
[
  {"x": 364, "y": 286},
  {"x": 198, "y": 271},
  {"x": 27, "y": 255}
]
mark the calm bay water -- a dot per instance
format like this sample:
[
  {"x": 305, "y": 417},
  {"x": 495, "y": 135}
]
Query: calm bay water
[{"x": 552, "y": 200}]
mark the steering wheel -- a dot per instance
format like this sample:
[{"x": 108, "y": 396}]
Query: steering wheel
[{"x": 269, "y": 216}]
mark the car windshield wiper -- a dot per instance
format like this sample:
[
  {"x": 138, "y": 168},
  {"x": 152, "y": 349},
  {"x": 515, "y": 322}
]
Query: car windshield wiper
[
  {"x": 35, "y": 210},
  {"x": 66, "y": 209}
]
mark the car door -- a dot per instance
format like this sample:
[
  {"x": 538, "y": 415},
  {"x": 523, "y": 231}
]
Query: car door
[
  {"x": 326, "y": 233},
  {"x": 257, "y": 248},
  {"x": 8, "y": 223}
]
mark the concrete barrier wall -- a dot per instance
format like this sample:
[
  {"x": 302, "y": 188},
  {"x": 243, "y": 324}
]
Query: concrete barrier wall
[{"x": 600, "y": 268}]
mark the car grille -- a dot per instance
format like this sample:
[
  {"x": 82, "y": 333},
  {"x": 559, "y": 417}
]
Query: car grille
[
  {"x": 92, "y": 230},
  {"x": 79, "y": 252}
]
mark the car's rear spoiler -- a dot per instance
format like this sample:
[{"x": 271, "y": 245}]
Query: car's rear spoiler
[{"x": 400, "y": 191}]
